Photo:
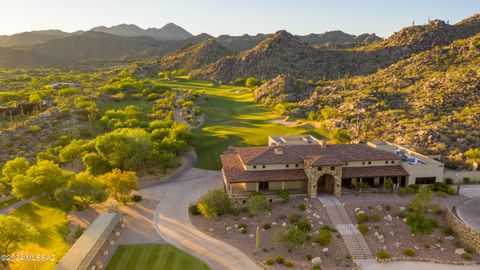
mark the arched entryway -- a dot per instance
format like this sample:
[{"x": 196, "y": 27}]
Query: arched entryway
[{"x": 326, "y": 184}]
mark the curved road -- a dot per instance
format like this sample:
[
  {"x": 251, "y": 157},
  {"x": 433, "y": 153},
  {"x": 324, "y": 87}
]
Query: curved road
[
  {"x": 469, "y": 211},
  {"x": 172, "y": 222}
]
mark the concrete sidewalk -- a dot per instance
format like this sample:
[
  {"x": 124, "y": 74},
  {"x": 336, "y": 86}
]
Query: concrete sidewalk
[{"x": 373, "y": 265}]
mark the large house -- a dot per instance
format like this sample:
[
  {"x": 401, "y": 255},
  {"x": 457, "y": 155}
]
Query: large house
[{"x": 305, "y": 165}]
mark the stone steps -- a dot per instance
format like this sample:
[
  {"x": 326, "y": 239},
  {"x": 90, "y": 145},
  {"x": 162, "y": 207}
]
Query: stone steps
[{"x": 354, "y": 240}]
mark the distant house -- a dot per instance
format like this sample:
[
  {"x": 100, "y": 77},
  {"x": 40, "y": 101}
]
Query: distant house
[
  {"x": 305, "y": 165},
  {"x": 63, "y": 84}
]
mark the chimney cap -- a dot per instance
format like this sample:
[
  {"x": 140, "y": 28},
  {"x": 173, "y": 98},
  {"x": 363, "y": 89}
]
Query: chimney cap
[{"x": 278, "y": 150}]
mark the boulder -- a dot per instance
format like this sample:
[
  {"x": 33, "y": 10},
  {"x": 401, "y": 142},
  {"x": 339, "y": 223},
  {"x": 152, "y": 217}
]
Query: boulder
[
  {"x": 317, "y": 261},
  {"x": 325, "y": 250},
  {"x": 459, "y": 251}
]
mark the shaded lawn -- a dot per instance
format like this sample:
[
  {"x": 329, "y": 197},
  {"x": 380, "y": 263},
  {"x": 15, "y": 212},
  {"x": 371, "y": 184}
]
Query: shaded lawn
[
  {"x": 8, "y": 202},
  {"x": 232, "y": 118},
  {"x": 52, "y": 226},
  {"x": 154, "y": 257}
]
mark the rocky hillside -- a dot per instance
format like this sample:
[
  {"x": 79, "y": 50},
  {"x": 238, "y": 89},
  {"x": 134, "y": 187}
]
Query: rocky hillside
[
  {"x": 338, "y": 37},
  {"x": 32, "y": 38},
  {"x": 280, "y": 53},
  {"x": 195, "y": 55},
  {"x": 429, "y": 100}
]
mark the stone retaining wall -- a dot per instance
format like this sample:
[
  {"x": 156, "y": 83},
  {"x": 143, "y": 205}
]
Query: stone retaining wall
[
  {"x": 467, "y": 234},
  {"x": 416, "y": 259}
]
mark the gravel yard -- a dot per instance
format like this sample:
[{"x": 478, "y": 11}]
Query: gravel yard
[
  {"x": 225, "y": 228},
  {"x": 393, "y": 234}
]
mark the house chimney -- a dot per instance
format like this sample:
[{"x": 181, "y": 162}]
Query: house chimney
[
  {"x": 322, "y": 143},
  {"x": 278, "y": 151}
]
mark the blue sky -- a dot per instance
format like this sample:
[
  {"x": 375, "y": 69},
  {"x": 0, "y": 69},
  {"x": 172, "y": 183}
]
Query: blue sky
[{"x": 215, "y": 17}]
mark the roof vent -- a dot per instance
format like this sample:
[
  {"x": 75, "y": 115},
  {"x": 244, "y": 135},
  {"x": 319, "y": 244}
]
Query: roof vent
[
  {"x": 278, "y": 151},
  {"x": 322, "y": 143}
]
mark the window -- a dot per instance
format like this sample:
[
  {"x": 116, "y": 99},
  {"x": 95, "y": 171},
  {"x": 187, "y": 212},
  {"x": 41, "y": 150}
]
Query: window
[
  {"x": 386, "y": 161},
  {"x": 363, "y": 163},
  {"x": 263, "y": 166},
  {"x": 369, "y": 162},
  {"x": 287, "y": 165},
  {"x": 393, "y": 161},
  {"x": 254, "y": 166},
  {"x": 320, "y": 168},
  {"x": 425, "y": 180},
  {"x": 296, "y": 165},
  {"x": 332, "y": 168},
  {"x": 263, "y": 185},
  {"x": 346, "y": 163}
]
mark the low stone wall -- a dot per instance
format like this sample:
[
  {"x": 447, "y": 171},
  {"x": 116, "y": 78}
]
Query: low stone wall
[
  {"x": 416, "y": 259},
  {"x": 467, "y": 234},
  {"x": 271, "y": 198},
  {"x": 457, "y": 176}
]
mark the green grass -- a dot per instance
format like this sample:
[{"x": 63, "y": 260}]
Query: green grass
[
  {"x": 8, "y": 202},
  {"x": 51, "y": 224},
  {"x": 231, "y": 119},
  {"x": 143, "y": 105},
  {"x": 154, "y": 257}
]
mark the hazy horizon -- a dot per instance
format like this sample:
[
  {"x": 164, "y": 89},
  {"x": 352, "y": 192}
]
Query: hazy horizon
[{"x": 217, "y": 17}]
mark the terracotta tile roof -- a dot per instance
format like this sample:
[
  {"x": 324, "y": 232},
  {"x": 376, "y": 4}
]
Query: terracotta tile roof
[
  {"x": 234, "y": 172},
  {"x": 337, "y": 154},
  {"x": 322, "y": 161},
  {"x": 373, "y": 171}
]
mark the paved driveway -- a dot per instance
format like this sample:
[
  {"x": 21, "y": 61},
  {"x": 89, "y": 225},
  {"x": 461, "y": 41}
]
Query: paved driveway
[
  {"x": 372, "y": 265},
  {"x": 172, "y": 222},
  {"x": 469, "y": 211}
]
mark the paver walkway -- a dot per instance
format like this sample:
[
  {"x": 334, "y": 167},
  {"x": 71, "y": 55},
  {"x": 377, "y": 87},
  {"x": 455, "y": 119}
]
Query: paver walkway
[
  {"x": 172, "y": 222},
  {"x": 7, "y": 210},
  {"x": 354, "y": 240}
]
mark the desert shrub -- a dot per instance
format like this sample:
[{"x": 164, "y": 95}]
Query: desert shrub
[
  {"x": 448, "y": 181},
  {"x": 308, "y": 257},
  {"x": 402, "y": 191},
  {"x": 302, "y": 207},
  {"x": 466, "y": 180},
  {"x": 328, "y": 228},
  {"x": 288, "y": 263},
  {"x": 284, "y": 194},
  {"x": 269, "y": 261},
  {"x": 304, "y": 225},
  {"x": 414, "y": 187},
  {"x": 457, "y": 243},
  {"x": 409, "y": 252},
  {"x": 324, "y": 237},
  {"x": 290, "y": 238},
  {"x": 34, "y": 129},
  {"x": 136, "y": 198},
  {"x": 316, "y": 267},
  {"x": 468, "y": 250},
  {"x": 383, "y": 254},
  {"x": 362, "y": 218},
  {"x": 214, "y": 203},
  {"x": 293, "y": 218},
  {"x": 426, "y": 245},
  {"x": 447, "y": 231},
  {"x": 266, "y": 226},
  {"x": 467, "y": 256},
  {"x": 257, "y": 204},
  {"x": 193, "y": 209},
  {"x": 362, "y": 228},
  {"x": 279, "y": 259},
  {"x": 78, "y": 232},
  {"x": 242, "y": 226},
  {"x": 376, "y": 218},
  {"x": 387, "y": 207}
]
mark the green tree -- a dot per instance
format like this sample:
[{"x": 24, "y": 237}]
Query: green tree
[
  {"x": 388, "y": 184},
  {"x": 13, "y": 233},
  {"x": 41, "y": 179},
  {"x": 71, "y": 151},
  {"x": 214, "y": 203},
  {"x": 473, "y": 156},
  {"x": 120, "y": 184},
  {"x": 252, "y": 82},
  {"x": 340, "y": 135},
  {"x": 95, "y": 164},
  {"x": 329, "y": 113},
  {"x": 418, "y": 219},
  {"x": 258, "y": 204},
  {"x": 88, "y": 189},
  {"x": 13, "y": 168}
]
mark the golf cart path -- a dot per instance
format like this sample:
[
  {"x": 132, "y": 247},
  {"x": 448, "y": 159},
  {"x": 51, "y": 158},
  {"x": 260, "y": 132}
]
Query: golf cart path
[{"x": 173, "y": 224}]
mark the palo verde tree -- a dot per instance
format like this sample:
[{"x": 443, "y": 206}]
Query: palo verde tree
[
  {"x": 120, "y": 184},
  {"x": 13, "y": 233},
  {"x": 88, "y": 189},
  {"x": 12, "y": 169},
  {"x": 418, "y": 219}
]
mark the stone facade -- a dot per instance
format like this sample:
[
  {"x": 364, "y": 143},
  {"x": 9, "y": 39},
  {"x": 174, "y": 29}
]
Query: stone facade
[
  {"x": 315, "y": 173},
  {"x": 467, "y": 234}
]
